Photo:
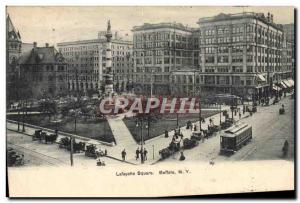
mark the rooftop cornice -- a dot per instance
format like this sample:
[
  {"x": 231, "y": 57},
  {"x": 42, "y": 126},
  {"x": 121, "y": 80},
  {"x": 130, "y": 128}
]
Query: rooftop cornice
[
  {"x": 149, "y": 26},
  {"x": 224, "y": 17}
]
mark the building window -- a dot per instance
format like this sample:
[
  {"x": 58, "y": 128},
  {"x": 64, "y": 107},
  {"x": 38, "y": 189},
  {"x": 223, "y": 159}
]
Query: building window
[
  {"x": 209, "y": 59},
  {"x": 237, "y": 69},
  {"x": 249, "y": 69}
]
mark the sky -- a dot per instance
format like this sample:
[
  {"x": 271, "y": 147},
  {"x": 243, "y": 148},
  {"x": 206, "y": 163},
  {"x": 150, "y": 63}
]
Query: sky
[{"x": 52, "y": 25}]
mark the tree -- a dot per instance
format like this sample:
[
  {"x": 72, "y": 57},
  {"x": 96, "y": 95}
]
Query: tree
[{"x": 48, "y": 107}]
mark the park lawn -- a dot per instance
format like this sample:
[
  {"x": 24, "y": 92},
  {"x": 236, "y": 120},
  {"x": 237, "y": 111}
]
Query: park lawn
[
  {"x": 167, "y": 122},
  {"x": 98, "y": 130}
]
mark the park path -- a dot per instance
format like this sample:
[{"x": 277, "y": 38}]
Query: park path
[
  {"x": 125, "y": 140},
  {"x": 120, "y": 131}
]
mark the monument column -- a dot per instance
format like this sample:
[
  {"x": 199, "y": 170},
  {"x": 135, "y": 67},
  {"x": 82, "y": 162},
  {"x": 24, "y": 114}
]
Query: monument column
[{"x": 108, "y": 63}]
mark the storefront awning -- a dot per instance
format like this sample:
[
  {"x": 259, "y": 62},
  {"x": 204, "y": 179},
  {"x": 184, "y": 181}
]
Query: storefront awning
[
  {"x": 282, "y": 85},
  {"x": 261, "y": 78},
  {"x": 291, "y": 81},
  {"x": 286, "y": 82},
  {"x": 276, "y": 88}
]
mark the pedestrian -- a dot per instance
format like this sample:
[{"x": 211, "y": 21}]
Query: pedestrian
[
  {"x": 240, "y": 115},
  {"x": 123, "y": 154},
  {"x": 195, "y": 127},
  {"x": 285, "y": 148},
  {"x": 142, "y": 155},
  {"x": 182, "y": 157},
  {"x": 191, "y": 127},
  {"x": 210, "y": 121},
  {"x": 166, "y": 134},
  {"x": 145, "y": 154},
  {"x": 137, "y": 153}
]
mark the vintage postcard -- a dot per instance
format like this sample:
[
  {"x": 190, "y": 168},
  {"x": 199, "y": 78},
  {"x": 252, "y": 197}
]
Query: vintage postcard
[{"x": 111, "y": 101}]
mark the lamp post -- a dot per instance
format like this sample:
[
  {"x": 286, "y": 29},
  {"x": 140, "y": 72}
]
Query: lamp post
[
  {"x": 140, "y": 123},
  {"x": 200, "y": 112},
  {"x": 200, "y": 115},
  {"x": 23, "y": 117},
  {"x": 220, "y": 114}
]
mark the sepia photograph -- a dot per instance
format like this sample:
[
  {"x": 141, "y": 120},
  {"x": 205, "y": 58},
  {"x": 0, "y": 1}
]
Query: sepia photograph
[{"x": 149, "y": 101}]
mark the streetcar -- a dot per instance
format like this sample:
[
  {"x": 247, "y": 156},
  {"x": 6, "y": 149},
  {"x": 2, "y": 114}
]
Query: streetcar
[{"x": 235, "y": 137}]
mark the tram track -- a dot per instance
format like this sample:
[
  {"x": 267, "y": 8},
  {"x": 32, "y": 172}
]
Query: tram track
[{"x": 50, "y": 160}]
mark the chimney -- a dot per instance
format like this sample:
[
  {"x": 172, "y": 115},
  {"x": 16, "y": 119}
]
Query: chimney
[
  {"x": 47, "y": 44},
  {"x": 34, "y": 44}
]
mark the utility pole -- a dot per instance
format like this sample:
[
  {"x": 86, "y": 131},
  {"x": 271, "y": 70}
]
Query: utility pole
[
  {"x": 200, "y": 116},
  {"x": 148, "y": 124},
  {"x": 23, "y": 117},
  {"x": 177, "y": 120},
  {"x": 142, "y": 142},
  {"x": 71, "y": 150},
  {"x": 220, "y": 114},
  {"x": 153, "y": 151},
  {"x": 19, "y": 108}
]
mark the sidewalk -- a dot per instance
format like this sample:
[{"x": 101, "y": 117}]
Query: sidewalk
[
  {"x": 155, "y": 144},
  {"x": 125, "y": 140}
]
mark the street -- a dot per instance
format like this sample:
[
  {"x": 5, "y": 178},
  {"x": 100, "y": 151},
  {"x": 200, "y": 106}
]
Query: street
[
  {"x": 40, "y": 154},
  {"x": 269, "y": 131}
]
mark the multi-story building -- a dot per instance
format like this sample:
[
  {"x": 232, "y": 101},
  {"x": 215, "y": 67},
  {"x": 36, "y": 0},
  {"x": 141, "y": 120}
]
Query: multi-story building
[
  {"x": 13, "y": 53},
  {"x": 44, "y": 71},
  {"x": 287, "y": 62},
  {"x": 26, "y": 47},
  {"x": 160, "y": 49},
  {"x": 238, "y": 53},
  {"x": 289, "y": 30},
  {"x": 86, "y": 62},
  {"x": 14, "y": 42}
]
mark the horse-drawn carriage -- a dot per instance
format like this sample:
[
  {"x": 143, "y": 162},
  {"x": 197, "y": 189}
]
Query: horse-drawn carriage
[
  {"x": 197, "y": 135},
  {"x": 190, "y": 143},
  {"x": 281, "y": 111},
  {"x": 251, "y": 109},
  {"x": 211, "y": 129},
  {"x": 227, "y": 123},
  {"x": 77, "y": 147},
  {"x": 37, "y": 135},
  {"x": 65, "y": 142},
  {"x": 92, "y": 151},
  {"x": 265, "y": 101},
  {"x": 43, "y": 136},
  {"x": 189, "y": 125},
  {"x": 275, "y": 101},
  {"x": 165, "y": 153},
  {"x": 14, "y": 158},
  {"x": 171, "y": 149}
]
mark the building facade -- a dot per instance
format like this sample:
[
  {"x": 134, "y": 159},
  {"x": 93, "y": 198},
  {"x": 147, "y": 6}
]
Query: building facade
[
  {"x": 289, "y": 31},
  {"x": 239, "y": 54},
  {"x": 44, "y": 71},
  {"x": 160, "y": 49},
  {"x": 87, "y": 60},
  {"x": 13, "y": 52}
]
